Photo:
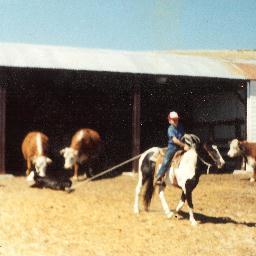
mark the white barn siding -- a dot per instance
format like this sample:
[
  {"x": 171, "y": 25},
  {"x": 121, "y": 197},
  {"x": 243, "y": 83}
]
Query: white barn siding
[
  {"x": 2, "y": 128},
  {"x": 251, "y": 110}
]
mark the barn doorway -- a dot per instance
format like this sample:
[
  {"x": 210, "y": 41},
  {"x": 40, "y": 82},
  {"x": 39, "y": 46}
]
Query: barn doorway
[
  {"x": 58, "y": 103},
  {"x": 209, "y": 107}
]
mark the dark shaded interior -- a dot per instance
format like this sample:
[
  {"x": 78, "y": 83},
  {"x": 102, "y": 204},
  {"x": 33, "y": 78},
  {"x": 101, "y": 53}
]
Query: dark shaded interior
[
  {"x": 59, "y": 102},
  {"x": 179, "y": 94}
]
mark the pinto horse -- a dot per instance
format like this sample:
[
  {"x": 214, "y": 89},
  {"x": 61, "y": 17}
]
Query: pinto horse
[{"x": 185, "y": 175}]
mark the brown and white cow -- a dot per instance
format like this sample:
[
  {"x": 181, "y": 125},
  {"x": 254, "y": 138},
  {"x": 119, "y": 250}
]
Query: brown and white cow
[
  {"x": 247, "y": 150},
  {"x": 34, "y": 148},
  {"x": 85, "y": 146}
]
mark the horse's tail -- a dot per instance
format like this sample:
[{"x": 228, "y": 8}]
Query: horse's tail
[
  {"x": 149, "y": 190},
  {"x": 146, "y": 170}
]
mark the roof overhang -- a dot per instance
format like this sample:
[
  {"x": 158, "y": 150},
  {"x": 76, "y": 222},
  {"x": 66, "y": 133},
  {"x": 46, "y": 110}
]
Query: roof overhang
[{"x": 157, "y": 63}]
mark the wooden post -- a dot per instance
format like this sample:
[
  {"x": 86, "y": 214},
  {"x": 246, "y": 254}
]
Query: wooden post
[
  {"x": 2, "y": 129},
  {"x": 136, "y": 125}
]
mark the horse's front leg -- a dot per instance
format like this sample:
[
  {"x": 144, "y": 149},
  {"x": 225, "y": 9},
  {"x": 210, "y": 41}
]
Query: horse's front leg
[
  {"x": 181, "y": 202},
  {"x": 189, "y": 187},
  {"x": 164, "y": 203},
  {"x": 190, "y": 205}
]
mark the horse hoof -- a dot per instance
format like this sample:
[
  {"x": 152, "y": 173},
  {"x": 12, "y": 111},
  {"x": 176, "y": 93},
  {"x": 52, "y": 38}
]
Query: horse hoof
[
  {"x": 193, "y": 223},
  {"x": 170, "y": 215},
  {"x": 252, "y": 179},
  {"x": 136, "y": 211}
]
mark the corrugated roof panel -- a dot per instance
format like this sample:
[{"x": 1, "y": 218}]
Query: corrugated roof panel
[
  {"x": 164, "y": 63},
  {"x": 248, "y": 69}
]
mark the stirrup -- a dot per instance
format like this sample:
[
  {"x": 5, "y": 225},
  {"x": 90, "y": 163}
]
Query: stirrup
[
  {"x": 159, "y": 183},
  {"x": 159, "y": 180}
]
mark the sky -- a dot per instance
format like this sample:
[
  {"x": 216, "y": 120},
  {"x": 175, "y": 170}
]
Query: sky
[{"x": 133, "y": 25}]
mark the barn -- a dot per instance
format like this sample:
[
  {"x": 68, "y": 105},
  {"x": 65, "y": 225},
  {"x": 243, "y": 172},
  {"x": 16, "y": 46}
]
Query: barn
[{"x": 126, "y": 96}]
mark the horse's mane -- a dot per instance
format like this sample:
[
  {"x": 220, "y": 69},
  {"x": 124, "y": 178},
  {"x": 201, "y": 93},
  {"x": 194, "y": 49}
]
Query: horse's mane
[{"x": 190, "y": 139}]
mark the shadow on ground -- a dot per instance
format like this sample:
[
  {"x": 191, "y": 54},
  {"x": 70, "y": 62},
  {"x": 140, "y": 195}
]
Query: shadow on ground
[{"x": 216, "y": 220}]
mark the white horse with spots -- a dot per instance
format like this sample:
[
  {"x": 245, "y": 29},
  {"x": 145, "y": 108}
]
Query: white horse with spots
[{"x": 185, "y": 175}]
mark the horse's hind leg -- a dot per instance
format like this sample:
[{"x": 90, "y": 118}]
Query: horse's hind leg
[
  {"x": 137, "y": 194},
  {"x": 164, "y": 203},
  {"x": 181, "y": 202}
]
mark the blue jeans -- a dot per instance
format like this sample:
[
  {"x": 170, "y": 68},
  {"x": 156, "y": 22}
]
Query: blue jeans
[{"x": 166, "y": 161}]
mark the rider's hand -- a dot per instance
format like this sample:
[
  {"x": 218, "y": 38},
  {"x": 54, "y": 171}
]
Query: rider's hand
[{"x": 186, "y": 147}]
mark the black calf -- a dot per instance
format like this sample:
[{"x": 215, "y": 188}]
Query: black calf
[{"x": 61, "y": 183}]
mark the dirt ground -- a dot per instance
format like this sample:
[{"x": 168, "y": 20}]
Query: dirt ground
[{"x": 97, "y": 219}]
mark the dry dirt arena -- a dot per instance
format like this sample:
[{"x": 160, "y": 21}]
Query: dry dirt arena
[{"x": 97, "y": 219}]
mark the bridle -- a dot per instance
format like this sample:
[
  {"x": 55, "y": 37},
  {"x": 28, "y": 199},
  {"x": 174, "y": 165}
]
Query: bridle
[
  {"x": 206, "y": 163},
  {"x": 192, "y": 140}
]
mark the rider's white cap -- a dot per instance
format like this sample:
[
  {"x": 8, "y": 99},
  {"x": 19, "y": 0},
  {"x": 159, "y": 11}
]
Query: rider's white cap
[{"x": 173, "y": 115}]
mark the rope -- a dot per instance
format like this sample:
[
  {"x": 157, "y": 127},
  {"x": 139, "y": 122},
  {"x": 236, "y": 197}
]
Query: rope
[{"x": 107, "y": 171}]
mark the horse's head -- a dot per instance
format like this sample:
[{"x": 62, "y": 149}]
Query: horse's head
[
  {"x": 190, "y": 139},
  {"x": 214, "y": 154}
]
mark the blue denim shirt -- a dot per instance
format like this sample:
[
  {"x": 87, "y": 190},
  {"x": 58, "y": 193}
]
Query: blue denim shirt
[{"x": 177, "y": 132}]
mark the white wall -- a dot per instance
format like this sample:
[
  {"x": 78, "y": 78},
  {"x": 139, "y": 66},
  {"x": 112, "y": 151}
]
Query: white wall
[
  {"x": 251, "y": 110},
  {"x": 2, "y": 128}
]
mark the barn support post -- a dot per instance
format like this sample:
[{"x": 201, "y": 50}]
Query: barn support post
[
  {"x": 136, "y": 124},
  {"x": 2, "y": 129}
]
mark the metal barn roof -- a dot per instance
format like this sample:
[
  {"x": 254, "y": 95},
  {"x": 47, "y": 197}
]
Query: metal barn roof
[{"x": 158, "y": 62}]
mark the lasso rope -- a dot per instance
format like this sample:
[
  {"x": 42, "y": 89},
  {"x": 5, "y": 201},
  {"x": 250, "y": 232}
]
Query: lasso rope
[{"x": 106, "y": 171}]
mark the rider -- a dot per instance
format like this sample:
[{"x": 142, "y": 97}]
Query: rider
[{"x": 175, "y": 133}]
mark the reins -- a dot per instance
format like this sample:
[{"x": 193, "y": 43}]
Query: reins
[{"x": 207, "y": 164}]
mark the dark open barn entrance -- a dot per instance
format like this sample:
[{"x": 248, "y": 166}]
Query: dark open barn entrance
[
  {"x": 213, "y": 109},
  {"x": 59, "y": 102}
]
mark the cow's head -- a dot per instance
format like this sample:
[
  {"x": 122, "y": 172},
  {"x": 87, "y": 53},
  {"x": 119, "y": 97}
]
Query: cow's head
[
  {"x": 234, "y": 149},
  {"x": 41, "y": 163},
  {"x": 70, "y": 155}
]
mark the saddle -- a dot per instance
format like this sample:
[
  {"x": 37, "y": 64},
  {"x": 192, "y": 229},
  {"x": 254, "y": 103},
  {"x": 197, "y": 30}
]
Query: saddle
[{"x": 175, "y": 160}]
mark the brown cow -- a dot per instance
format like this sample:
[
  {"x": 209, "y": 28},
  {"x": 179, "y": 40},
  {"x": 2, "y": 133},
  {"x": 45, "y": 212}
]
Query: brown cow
[
  {"x": 34, "y": 148},
  {"x": 85, "y": 146},
  {"x": 247, "y": 150}
]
